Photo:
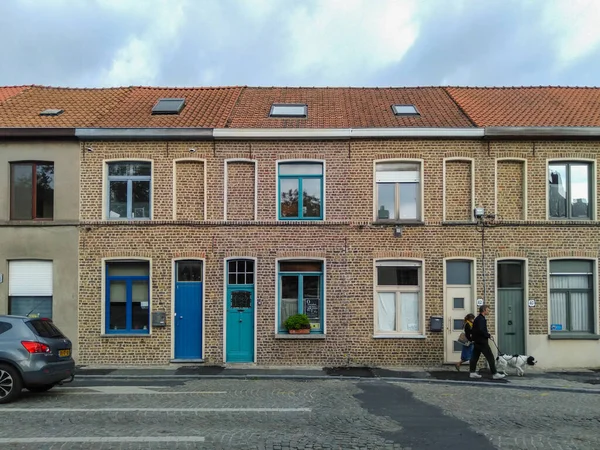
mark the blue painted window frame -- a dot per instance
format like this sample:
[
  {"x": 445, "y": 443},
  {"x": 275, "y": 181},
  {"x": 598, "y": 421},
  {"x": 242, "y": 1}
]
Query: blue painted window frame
[
  {"x": 300, "y": 178},
  {"x": 129, "y": 179},
  {"x": 128, "y": 304},
  {"x": 300, "y": 276}
]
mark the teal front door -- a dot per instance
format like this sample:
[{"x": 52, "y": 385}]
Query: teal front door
[
  {"x": 239, "y": 339},
  {"x": 511, "y": 307}
]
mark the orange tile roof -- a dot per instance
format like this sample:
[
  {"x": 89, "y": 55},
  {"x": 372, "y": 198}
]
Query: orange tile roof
[
  {"x": 10, "y": 91},
  {"x": 81, "y": 106},
  {"x": 347, "y": 108},
  {"x": 204, "y": 108},
  {"x": 530, "y": 106}
]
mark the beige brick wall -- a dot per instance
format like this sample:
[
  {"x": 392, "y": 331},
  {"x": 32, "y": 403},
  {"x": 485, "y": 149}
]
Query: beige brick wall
[
  {"x": 189, "y": 190},
  {"x": 349, "y": 247},
  {"x": 511, "y": 192},
  {"x": 458, "y": 191},
  {"x": 240, "y": 190}
]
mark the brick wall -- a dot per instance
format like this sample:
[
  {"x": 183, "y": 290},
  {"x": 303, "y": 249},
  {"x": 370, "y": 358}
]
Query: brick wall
[
  {"x": 510, "y": 195},
  {"x": 240, "y": 190},
  {"x": 189, "y": 189},
  {"x": 348, "y": 240},
  {"x": 458, "y": 191}
]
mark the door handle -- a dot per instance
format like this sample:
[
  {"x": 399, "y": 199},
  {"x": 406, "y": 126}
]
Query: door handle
[{"x": 181, "y": 317}]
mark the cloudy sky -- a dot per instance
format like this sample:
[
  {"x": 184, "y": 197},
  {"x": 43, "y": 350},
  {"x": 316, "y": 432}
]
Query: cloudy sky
[{"x": 97, "y": 43}]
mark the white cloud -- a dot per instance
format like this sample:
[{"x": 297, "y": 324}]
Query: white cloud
[
  {"x": 139, "y": 60},
  {"x": 575, "y": 24},
  {"x": 341, "y": 38}
]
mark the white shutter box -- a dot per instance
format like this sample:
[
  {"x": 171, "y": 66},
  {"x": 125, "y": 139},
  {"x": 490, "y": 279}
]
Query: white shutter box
[
  {"x": 401, "y": 176},
  {"x": 30, "y": 278}
]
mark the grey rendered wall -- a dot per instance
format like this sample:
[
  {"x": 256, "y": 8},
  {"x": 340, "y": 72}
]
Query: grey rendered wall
[{"x": 57, "y": 240}]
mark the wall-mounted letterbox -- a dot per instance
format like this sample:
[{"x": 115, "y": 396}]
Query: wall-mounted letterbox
[
  {"x": 436, "y": 323},
  {"x": 159, "y": 319}
]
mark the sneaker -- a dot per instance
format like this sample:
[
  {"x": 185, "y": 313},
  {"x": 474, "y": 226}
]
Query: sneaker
[
  {"x": 498, "y": 376},
  {"x": 474, "y": 375}
]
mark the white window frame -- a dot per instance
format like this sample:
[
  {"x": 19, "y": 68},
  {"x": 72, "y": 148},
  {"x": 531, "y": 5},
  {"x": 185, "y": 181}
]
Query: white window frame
[
  {"x": 420, "y": 203},
  {"x": 420, "y": 289},
  {"x": 593, "y": 187},
  {"x": 106, "y": 187}
]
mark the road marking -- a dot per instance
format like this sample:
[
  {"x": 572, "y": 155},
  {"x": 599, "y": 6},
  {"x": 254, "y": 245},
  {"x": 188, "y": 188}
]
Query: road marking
[
  {"x": 33, "y": 410},
  {"x": 124, "y": 390},
  {"x": 95, "y": 439}
]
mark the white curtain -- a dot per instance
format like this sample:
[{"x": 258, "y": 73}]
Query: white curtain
[
  {"x": 558, "y": 309},
  {"x": 580, "y": 311},
  {"x": 579, "y": 307},
  {"x": 409, "y": 311},
  {"x": 386, "y": 311},
  {"x": 289, "y": 307}
]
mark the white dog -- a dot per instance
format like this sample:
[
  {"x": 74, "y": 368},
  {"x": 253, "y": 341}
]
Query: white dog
[{"x": 518, "y": 362}]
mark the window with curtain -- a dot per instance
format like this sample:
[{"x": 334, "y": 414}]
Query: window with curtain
[
  {"x": 300, "y": 191},
  {"x": 301, "y": 292},
  {"x": 129, "y": 190},
  {"x": 398, "y": 191},
  {"x": 571, "y": 296},
  {"x": 570, "y": 190},
  {"x": 398, "y": 297},
  {"x": 128, "y": 297}
]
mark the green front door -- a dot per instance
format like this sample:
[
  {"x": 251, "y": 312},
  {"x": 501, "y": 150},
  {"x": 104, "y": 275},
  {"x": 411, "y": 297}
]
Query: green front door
[{"x": 511, "y": 307}]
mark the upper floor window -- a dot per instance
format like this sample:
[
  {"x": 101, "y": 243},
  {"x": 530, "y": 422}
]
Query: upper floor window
[
  {"x": 398, "y": 297},
  {"x": 571, "y": 296},
  {"x": 398, "y": 191},
  {"x": 300, "y": 191},
  {"x": 31, "y": 190},
  {"x": 570, "y": 190},
  {"x": 129, "y": 190}
]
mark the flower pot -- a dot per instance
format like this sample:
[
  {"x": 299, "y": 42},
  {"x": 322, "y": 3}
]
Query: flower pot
[{"x": 300, "y": 331}]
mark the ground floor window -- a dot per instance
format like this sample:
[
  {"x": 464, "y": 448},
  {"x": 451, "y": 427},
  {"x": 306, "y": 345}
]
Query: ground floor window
[
  {"x": 30, "y": 285},
  {"x": 301, "y": 292},
  {"x": 571, "y": 296},
  {"x": 127, "y": 297},
  {"x": 398, "y": 296}
]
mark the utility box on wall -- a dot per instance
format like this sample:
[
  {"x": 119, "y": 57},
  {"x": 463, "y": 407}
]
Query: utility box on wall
[
  {"x": 436, "y": 323},
  {"x": 159, "y": 319}
]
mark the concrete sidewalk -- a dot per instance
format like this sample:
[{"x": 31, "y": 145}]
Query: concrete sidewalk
[{"x": 581, "y": 380}]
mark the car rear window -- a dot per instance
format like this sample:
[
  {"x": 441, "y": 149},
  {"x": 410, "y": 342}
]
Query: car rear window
[
  {"x": 4, "y": 327},
  {"x": 45, "y": 329}
]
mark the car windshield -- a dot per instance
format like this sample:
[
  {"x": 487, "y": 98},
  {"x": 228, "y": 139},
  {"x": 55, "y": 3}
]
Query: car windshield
[{"x": 46, "y": 329}]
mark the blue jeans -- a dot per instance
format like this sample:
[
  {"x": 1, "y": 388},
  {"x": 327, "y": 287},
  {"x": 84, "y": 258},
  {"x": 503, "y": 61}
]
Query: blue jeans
[{"x": 466, "y": 353}]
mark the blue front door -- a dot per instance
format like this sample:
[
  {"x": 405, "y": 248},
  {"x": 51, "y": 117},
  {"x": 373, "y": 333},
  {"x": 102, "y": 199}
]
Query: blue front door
[
  {"x": 240, "y": 311},
  {"x": 188, "y": 310}
]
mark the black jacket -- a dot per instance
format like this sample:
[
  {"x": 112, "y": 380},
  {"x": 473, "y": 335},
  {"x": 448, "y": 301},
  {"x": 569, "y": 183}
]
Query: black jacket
[{"x": 480, "y": 331}]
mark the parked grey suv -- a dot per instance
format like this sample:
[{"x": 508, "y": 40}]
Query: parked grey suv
[{"x": 34, "y": 354}]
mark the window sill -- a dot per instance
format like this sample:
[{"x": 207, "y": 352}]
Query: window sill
[
  {"x": 574, "y": 337},
  {"x": 399, "y": 336},
  {"x": 126, "y": 335},
  {"x": 392, "y": 223},
  {"x": 312, "y": 336}
]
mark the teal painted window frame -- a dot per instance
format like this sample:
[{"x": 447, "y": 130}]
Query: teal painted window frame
[
  {"x": 300, "y": 179},
  {"x": 301, "y": 276}
]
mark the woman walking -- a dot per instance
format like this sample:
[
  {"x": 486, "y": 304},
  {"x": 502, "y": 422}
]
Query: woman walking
[{"x": 467, "y": 350}]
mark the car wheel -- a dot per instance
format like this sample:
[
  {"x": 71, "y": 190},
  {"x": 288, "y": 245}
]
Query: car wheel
[
  {"x": 40, "y": 388},
  {"x": 10, "y": 383}
]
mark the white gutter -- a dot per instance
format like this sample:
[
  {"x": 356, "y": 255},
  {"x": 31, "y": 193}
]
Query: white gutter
[
  {"x": 143, "y": 133},
  {"x": 543, "y": 132},
  {"x": 344, "y": 133}
]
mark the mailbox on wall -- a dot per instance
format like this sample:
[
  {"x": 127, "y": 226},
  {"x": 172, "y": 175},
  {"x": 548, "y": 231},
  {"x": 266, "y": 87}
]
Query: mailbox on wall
[
  {"x": 436, "y": 323},
  {"x": 159, "y": 319}
]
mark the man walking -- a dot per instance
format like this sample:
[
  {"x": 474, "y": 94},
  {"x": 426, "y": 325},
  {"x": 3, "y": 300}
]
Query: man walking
[{"x": 480, "y": 337}]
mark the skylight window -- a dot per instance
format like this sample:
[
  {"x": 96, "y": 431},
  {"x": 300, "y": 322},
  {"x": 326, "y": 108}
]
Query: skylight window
[
  {"x": 168, "y": 106},
  {"x": 288, "y": 110},
  {"x": 52, "y": 112},
  {"x": 405, "y": 110}
]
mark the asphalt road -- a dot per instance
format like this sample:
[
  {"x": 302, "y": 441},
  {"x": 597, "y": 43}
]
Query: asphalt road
[{"x": 285, "y": 414}]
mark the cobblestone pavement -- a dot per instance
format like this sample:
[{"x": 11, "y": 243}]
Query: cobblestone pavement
[
  {"x": 288, "y": 414},
  {"x": 519, "y": 419}
]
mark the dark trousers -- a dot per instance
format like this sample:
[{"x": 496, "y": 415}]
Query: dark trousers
[{"x": 482, "y": 347}]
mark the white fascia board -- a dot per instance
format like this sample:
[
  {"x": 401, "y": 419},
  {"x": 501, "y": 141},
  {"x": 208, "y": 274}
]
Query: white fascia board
[
  {"x": 542, "y": 131},
  {"x": 281, "y": 133},
  {"x": 343, "y": 133},
  {"x": 144, "y": 133},
  {"x": 417, "y": 132}
]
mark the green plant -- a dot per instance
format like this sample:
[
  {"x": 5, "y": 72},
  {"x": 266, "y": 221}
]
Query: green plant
[{"x": 297, "y": 322}]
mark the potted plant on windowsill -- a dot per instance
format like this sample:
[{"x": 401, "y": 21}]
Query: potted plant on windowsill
[{"x": 297, "y": 324}]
